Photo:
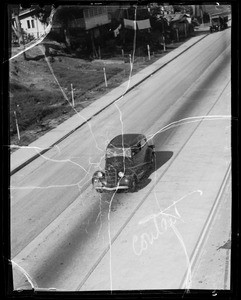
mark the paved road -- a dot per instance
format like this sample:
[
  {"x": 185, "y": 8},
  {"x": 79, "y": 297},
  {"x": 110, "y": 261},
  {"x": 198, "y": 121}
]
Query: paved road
[{"x": 61, "y": 232}]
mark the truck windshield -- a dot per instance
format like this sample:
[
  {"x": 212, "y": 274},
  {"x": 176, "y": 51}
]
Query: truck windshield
[{"x": 114, "y": 152}]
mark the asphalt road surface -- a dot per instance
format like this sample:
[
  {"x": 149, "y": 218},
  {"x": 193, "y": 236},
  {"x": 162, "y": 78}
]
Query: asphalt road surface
[{"x": 66, "y": 236}]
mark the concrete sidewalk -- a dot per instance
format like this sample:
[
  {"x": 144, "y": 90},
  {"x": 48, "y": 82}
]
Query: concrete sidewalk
[{"x": 26, "y": 154}]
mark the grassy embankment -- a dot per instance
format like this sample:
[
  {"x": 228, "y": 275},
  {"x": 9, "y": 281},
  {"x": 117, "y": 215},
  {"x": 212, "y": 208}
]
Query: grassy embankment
[{"x": 39, "y": 102}]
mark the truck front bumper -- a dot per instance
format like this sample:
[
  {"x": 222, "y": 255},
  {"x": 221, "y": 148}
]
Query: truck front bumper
[
  {"x": 106, "y": 188},
  {"x": 103, "y": 186}
]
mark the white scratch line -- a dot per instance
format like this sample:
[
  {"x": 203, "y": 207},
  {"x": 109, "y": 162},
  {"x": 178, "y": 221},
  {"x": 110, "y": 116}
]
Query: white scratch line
[
  {"x": 43, "y": 187},
  {"x": 144, "y": 220},
  {"x": 78, "y": 184},
  {"x": 132, "y": 58},
  {"x": 32, "y": 147},
  {"x": 69, "y": 102},
  {"x": 31, "y": 281},
  {"x": 189, "y": 272},
  {"x": 63, "y": 161},
  {"x": 122, "y": 130},
  {"x": 48, "y": 28},
  {"x": 193, "y": 120}
]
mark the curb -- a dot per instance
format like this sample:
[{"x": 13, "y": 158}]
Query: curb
[{"x": 16, "y": 169}]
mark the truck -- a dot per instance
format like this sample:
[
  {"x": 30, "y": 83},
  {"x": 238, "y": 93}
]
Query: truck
[{"x": 218, "y": 22}]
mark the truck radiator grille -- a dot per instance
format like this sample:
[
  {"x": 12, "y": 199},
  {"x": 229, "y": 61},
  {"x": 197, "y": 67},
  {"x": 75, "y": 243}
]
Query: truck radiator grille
[{"x": 111, "y": 176}]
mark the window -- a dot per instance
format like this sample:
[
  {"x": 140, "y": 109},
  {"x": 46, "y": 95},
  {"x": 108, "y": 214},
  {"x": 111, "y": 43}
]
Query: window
[
  {"x": 33, "y": 25},
  {"x": 95, "y": 11},
  {"x": 91, "y": 13},
  {"x": 117, "y": 152},
  {"x": 28, "y": 23},
  {"x": 136, "y": 148}
]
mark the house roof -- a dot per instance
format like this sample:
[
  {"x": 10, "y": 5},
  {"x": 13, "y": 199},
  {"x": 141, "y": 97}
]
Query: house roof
[
  {"x": 217, "y": 9},
  {"x": 176, "y": 17},
  {"x": 126, "y": 140},
  {"x": 25, "y": 13}
]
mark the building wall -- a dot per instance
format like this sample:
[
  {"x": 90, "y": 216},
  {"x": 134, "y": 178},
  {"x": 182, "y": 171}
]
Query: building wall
[
  {"x": 32, "y": 25},
  {"x": 96, "y": 16},
  {"x": 93, "y": 17},
  {"x": 96, "y": 21},
  {"x": 77, "y": 23}
]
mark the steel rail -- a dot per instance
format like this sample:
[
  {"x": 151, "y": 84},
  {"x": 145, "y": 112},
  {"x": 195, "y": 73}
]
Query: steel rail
[{"x": 206, "y": 228}]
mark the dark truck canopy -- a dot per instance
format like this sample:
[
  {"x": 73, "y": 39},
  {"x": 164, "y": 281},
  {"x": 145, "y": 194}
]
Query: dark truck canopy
[
  {"x": 119, "y": 150},
  {"x": 219, "y": 16},
  {"x": 125, "y": 140}
]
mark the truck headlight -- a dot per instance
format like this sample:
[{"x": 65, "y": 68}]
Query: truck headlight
[
  {"x": 99, "y": 174},
  {"x": 121, "y": 174}
]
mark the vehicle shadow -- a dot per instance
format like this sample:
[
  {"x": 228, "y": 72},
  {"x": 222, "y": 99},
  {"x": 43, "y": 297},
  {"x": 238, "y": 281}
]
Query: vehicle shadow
[{"x": 162, "y": 157}]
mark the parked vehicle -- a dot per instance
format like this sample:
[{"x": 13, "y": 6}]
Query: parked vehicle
[
  {"x": 218, "y": 23},
  {"x": 128, "y": 158}
]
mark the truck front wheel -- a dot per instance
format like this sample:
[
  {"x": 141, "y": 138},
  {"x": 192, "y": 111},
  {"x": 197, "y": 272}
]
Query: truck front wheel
[{"x": 132, "y": 188}]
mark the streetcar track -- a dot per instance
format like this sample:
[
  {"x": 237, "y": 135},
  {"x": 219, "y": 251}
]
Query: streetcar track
[
  {"x": 206, "y": 228},
  {"x": 143, "y": 200},
  {"x": 227, "y": 267}
]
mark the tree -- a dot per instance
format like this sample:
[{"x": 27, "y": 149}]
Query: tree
[
  {"x": 183, "y": 9},
  {"x": 43, "y": 13},
  {"x": 63, "y": 15},
  {"x": 16, "y": 26}
]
